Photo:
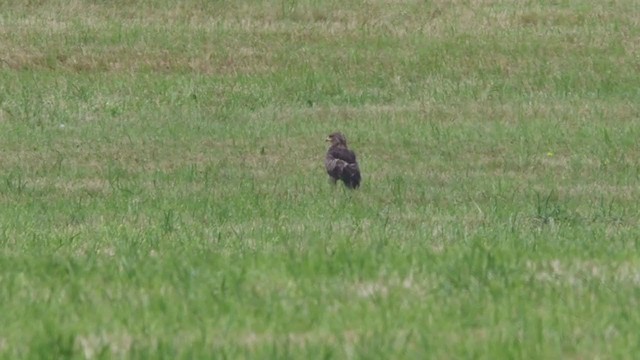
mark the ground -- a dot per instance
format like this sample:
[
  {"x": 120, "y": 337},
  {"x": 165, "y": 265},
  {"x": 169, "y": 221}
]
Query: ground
[{"x": 143, "y": 211}]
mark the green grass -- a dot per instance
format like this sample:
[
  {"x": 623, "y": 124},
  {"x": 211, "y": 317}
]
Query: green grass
[{"x": 162, "y": 191}]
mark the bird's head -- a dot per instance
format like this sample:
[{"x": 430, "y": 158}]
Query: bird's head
[{"x": 336, "y": 138}]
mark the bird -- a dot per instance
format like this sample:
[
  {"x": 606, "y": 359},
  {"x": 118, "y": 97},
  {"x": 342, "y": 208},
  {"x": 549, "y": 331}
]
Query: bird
[{"x": 341, "y": 163}]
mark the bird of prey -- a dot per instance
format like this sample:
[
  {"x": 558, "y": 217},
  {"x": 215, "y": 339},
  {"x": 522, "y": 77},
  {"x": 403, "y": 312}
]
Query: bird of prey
[{"x": 341, "y": 163}]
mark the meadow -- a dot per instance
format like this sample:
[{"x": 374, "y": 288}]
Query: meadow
[{"x": 162, "y": 190}]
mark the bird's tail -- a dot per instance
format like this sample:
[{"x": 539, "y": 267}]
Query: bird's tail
[{"x": 351, "y": 176}]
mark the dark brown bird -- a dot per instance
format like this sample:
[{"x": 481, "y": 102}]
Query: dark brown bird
[{"x": 341, "y": 163}]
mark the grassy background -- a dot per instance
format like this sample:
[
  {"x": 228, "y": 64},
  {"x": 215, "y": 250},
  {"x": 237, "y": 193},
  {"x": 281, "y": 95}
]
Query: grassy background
[{"x": 162, "y": 190}]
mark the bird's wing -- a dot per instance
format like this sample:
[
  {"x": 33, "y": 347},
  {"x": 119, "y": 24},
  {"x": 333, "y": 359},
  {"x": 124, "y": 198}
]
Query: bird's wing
[{"x": 343, "y": 154}]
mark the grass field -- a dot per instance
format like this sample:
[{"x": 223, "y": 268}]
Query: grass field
[{"x": 162, "y": 190}]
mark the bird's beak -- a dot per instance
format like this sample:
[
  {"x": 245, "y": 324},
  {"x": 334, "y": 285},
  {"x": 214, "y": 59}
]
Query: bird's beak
[{"x": 327, "y": 139}]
